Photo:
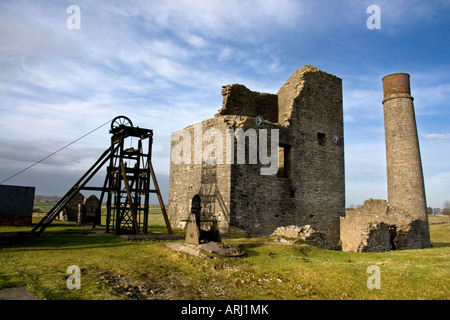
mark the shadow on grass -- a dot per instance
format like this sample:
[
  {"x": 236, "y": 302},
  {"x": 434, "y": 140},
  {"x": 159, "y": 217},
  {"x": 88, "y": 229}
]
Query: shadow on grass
[
  {"x": 68, "y": 236},
  {"x": 62, "y": 242},
  {"x": 60, "y": 237},
  {"x": 440, "y": 244}
]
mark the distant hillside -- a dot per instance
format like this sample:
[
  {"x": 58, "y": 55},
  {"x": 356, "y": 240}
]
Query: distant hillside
[{"x": 46, "y": 199}]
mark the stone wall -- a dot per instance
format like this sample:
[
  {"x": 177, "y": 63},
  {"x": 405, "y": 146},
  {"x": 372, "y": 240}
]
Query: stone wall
[
  {"x": 90, "y": 211},
  {"x": 378, "y": 226},
  {"x": 310, "y": 106},
  {"x": 72, "y": 209},
  {"x": 261, "y": 203}
]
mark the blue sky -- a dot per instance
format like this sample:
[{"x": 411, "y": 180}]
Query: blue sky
[{"x": 163, "y": 63}]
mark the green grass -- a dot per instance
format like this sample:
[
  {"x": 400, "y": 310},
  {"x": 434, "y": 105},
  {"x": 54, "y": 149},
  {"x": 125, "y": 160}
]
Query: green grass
[{"x": 113, "y": 268}]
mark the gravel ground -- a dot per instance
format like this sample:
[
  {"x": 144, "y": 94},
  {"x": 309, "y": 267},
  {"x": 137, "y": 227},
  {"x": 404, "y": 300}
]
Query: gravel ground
[{"x": 19, "y": 293}]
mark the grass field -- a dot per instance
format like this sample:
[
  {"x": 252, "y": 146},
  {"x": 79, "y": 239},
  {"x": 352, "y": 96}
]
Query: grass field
[{"x": 113, "y": 268}]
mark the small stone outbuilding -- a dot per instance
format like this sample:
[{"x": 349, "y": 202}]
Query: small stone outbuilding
[
  {"x": 82, "y": 210},
  {"x": 71, "y": 211}
]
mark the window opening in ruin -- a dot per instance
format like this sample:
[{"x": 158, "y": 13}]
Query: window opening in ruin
[
  {"x": 392, "y": 235},
  {"x": 283, "y": 161},
  {"x": 321, "y": 138},
  {"x": 292, "y": 193}
]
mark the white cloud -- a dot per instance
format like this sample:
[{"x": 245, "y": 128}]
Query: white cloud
[
  {"x": 195, "y": 40},
  {"x": 216, "y": 19},
  {"x": 438, "y": 136},
  {"x": 113, "y": 53}
]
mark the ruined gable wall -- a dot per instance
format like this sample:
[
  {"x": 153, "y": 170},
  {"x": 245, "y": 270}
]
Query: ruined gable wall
[
  {"x": 238, "y": 100},
  {"x": 310, "y": 106}
]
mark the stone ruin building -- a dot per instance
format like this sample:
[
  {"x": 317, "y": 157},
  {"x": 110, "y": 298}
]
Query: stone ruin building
[
  {"x": 309, "y": 186},
  {"x": 82, "y": 210},
  {"x": 307, "y": 191},
  {"x": 73, "y": 208}
]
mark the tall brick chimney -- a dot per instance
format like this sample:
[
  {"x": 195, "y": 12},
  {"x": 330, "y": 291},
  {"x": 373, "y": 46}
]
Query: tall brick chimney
[{"x": 404, "y": 166}]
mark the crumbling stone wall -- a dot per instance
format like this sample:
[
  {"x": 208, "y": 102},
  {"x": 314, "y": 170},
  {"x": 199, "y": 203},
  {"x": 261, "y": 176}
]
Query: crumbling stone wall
[
  {"x": 238, "y": 100},
  {"x": 89, "y": 211},
  {"x": 308, "y": 113},
  {"x": 378, "y": 226},
  {"x": 72, "y": 209},
  {"x": 376, "y": 238}
]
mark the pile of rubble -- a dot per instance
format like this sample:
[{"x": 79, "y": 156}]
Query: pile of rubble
[{"x": 293, "y": 234}]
